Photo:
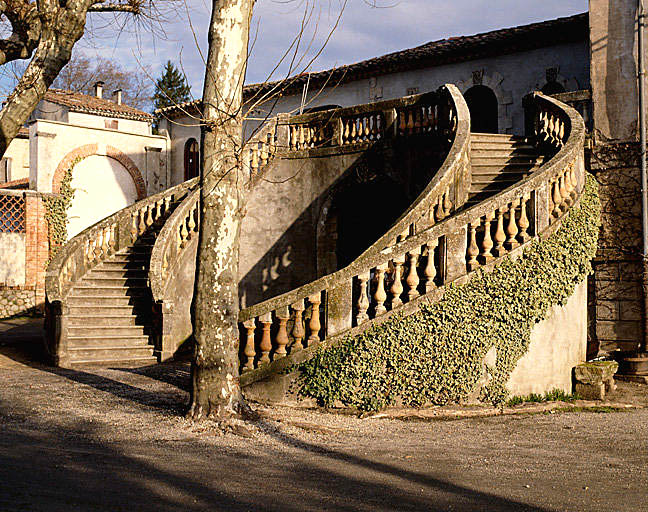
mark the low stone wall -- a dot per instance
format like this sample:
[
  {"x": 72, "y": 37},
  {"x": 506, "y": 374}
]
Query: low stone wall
[
  {"x": 17, "y": 301},
  {"x": 558, "y": 344}
]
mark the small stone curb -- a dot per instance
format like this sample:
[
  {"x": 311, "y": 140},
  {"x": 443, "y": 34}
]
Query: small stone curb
[{"x": 457, "y": 412}]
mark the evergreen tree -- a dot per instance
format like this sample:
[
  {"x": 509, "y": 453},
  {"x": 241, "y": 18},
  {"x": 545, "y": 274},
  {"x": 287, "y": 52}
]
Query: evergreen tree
[{"x": 171, "y": 88}]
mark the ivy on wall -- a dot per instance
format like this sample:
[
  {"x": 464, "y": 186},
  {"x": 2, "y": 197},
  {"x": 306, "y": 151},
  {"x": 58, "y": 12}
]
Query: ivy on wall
[
  {"x": 436, "y": 355},
  {"x": 56, "y": 208}
]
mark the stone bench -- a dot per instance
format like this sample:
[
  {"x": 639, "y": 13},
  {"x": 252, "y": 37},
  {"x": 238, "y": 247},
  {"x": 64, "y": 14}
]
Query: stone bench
[{"x": 594, "y": 379}]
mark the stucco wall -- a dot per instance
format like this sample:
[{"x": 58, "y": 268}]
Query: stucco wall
[
  {"x": 558, "y": 343},
  {"x": 12, "y": 259},
  {"x": 101, "y": 186},
  {"x": 51, "y": 141},
  {"x": 18, "y": 153}
]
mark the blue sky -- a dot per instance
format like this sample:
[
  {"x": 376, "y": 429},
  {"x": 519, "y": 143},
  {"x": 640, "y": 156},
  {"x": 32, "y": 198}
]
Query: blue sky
[{"x": 364, "y": 31}]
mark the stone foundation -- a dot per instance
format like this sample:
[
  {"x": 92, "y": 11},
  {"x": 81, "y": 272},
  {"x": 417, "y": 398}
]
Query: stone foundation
[
  {"x": 615, "y": 300},
  {"x": 17, "y": 301}
]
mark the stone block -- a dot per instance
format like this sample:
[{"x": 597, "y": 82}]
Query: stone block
[
  {"x": 606, "y": 272},
  {"x": 607, "y": 310},
  {"x": 629, "y": 310},
  {"x": 618, "y": 290},
  {"x": 590, "y": 391},
  {"x": 630, "y": 271},
  {"x": 618, "y": 331}
]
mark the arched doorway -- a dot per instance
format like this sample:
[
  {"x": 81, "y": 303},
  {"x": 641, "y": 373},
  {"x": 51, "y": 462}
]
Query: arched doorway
[
  {"x": 482, "y": 103},
  {"x": 552, "y": 87},
  {"x": 191, "y": 159}
]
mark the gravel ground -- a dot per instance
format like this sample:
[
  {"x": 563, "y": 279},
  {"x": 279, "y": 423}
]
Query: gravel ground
[{"x": 115, "y": 439}]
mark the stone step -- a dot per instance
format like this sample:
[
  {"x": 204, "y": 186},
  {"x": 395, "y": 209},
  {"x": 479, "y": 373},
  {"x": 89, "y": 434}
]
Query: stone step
[
  {"x": 129, "y": 282},
  {"x": 477, "y": 187},
  {"x": 109, "y": 319},
  {"x": 108, "y": 341},
  {"x": 88, "y": 311},
  {"x": 110, "y": 353},
  {"x": 117, "y": 272},
  {"x": 495, "y": 136},
  {"x": 509, "y": 158},
  {"x": 501, "y": 145},
  {"x": 108, "y": 291},
  {"x": 132, "y": 362},
  {"x": 141, "y": 301},
  {"x": 102, "y": 331}
]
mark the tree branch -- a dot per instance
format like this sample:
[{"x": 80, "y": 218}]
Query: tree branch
[{"x": 133, "y": 7}]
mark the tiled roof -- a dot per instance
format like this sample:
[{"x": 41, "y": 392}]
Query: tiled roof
[
  {"x": 435, "y": 53},
  {"x": 15, "y": 184},
  {"x": 23, "y": 133},
  {"x": 78, "y": 102}
]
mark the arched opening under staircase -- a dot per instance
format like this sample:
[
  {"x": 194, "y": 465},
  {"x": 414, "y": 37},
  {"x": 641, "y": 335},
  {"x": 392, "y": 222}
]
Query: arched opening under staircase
[
  {"x": 358, "y": 215},
  {"x": 191, "y": 159},
  {"x": 482, "y": 103}
]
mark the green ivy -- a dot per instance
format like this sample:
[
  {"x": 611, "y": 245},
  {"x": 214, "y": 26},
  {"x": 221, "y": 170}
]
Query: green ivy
[
  {"x": 435, "y": 355},
  {"x": 56, "y": 208}
]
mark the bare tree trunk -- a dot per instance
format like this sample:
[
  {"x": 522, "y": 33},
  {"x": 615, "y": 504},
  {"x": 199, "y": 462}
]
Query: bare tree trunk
[
  {"x": 216, "y": 390},
  {"x": 60, "y": 29}
]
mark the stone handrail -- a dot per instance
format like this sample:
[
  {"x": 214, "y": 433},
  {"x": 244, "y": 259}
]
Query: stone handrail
[
  {"x": 286, "y": 329},
  {"x": 101, "y": 240},
  {"x": 183, "y": 223}
]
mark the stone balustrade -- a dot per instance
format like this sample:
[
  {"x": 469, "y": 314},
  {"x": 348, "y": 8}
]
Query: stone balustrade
[{"x": 417, "y": 265}]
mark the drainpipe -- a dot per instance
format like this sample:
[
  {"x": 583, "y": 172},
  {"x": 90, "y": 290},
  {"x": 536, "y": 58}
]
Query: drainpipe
[{"x": 644, "y": 178}]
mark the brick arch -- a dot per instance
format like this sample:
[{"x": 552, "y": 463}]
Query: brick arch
[{"x": 93, "y": 149}]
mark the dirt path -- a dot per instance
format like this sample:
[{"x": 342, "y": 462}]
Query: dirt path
[{"x": 114, "y": 440}]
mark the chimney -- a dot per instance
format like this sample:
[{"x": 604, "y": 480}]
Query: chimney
[
  {"x": 98, "y": 87},
  {"x": 117, "y": 96}
]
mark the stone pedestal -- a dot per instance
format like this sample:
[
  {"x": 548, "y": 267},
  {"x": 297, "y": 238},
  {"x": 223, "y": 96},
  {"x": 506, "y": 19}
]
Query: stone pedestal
[{"x": 593, "y": 380}]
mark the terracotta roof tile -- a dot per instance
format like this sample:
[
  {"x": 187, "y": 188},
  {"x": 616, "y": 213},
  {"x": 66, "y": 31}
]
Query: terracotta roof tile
[
  {"x": 78, "y": 102},
  {"x": 435, "y": 53}
]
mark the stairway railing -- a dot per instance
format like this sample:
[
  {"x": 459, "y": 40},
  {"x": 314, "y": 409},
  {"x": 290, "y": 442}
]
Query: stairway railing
[
  {"x": 91, "y": 247},
  {"x": 287, "y": 329},
  {"x": 441, "y": 116}
]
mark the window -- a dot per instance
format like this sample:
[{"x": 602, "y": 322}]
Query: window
[
  {"x": 191, "y": 159},
  {"x": 412, "y": 90},
  {"x": 111, "y": 124}
]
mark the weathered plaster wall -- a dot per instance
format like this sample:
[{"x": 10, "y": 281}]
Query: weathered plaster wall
[
  {"x": 18, "y": 154},
  {"x": 179, "y": 130},
  {"x": 51, "y": 141},
  {"x": 558, "y": 343},
  {"x": 12, "y": 259}
]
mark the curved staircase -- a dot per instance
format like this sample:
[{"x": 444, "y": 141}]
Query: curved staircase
[{"x": 490, "y": 196}]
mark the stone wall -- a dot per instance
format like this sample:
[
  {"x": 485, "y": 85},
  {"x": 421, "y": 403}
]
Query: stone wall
[
  {"x": 615, "y": 298},
  {"x": 17, "y": 301}
]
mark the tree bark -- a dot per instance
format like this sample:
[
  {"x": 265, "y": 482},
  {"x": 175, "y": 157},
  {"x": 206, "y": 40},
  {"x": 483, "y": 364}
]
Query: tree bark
[{"x": 216, "y": 390}]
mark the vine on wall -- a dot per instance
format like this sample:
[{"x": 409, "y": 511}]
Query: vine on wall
[
  {"x": 56, "y": 208},
  {"x": 436, "y": 355}
]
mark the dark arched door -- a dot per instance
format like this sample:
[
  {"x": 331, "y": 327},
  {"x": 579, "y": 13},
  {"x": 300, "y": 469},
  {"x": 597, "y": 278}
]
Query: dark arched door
[
  {"x": 482, "y": 104},
  {"x": 552, "y": 87},
  {"x": 191, "y": 159}
]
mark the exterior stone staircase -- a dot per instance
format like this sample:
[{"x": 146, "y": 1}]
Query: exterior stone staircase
[
  {"x": 499, "y": 161},
  {"x": 489, "y": 197}
]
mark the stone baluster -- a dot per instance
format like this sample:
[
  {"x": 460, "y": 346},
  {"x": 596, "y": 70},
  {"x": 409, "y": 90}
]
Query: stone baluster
[
  {"x": 362, "y": 305},
  {"x": 283, "y": 315},
  {"x": 113, "y": 238},
  {"x": 473, "y": 250},
  {"x": 402, "y": 123},
  {"x": 523, "y": 222},
  {"x": 410, "y": 122},
  {"x": 380, "y": 295},
  {"x": 396, "y": 289},
  {"x": 574, "y": 183},
  {"x": 500, "y": 236},
  {"x": 264, "y": 154},
  {"x": 167, "y": 204},
  {"x": 142, "y": 221},
  {"x": 149, "y": 215},
  {"x": 412, "y": 279},
  {"x": 447, "y": 204},
  {"x": 439, "y": 215},
  {"x": 192, "y": 223},
  {"x": 266, "y": 343},
  {"x": 133, "y": 231},
  {"x": 314, "y": 325},
  {"x": 563, "y": 192},
  {"x": 302, "y": 137},
  {"x": 430, "y": 272},
  {"x": 487, "y": 242},
  {"x": 354, "y": 131},
  {"x": 105, "y": 246},
  {"x": 248, "y": 350},
  {"x": 556, "y": 198},
  {"x": 292, "y": 138},
  {"x": 158, "y": 209},
  {"x": 298, "y": 330},
  {"x": 345, "y": 132},
  {"x": 569, "y": 197},
  {"x": 184, "y": 234},
  {"x": 511, "y": 227}
]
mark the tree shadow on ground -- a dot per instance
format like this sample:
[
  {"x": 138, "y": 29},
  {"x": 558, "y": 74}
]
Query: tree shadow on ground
[{"x": 58, "y": 467}]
